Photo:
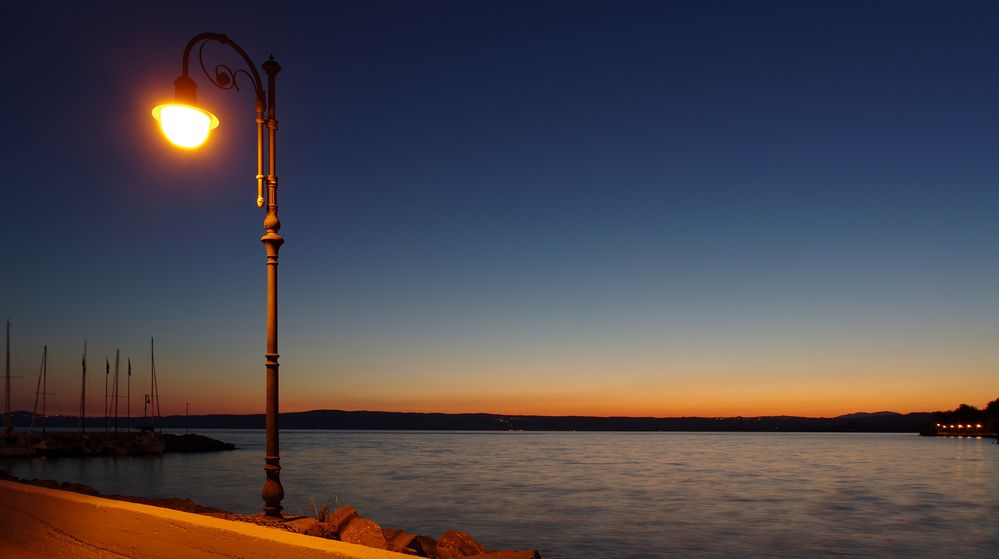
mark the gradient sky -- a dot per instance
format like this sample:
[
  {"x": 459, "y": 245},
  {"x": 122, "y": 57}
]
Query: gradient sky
[{"x": 638, "y": 208}]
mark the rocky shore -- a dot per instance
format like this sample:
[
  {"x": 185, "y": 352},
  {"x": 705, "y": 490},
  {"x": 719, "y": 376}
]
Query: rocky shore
[{"x": 343, "y": 524}]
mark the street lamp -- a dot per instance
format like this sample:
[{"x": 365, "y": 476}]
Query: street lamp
[{"x": 187, "y": 126}]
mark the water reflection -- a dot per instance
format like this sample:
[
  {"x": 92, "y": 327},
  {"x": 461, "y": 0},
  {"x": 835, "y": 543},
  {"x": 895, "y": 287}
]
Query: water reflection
[{"x": 625, "y": 495}]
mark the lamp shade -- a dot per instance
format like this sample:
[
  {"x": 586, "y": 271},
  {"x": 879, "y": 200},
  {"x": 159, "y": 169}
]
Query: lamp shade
[{"x": 185, "y": 126}]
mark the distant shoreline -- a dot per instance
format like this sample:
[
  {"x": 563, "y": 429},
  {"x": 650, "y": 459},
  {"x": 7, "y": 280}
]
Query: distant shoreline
[{"x": 880, "y": 422}]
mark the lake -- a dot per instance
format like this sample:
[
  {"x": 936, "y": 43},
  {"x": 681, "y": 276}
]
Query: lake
[{"x": 606, "y": 495}]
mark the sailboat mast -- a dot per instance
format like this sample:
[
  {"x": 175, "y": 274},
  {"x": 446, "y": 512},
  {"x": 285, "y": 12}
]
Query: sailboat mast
[
  {"x": 117, "y": 360},
  {"x": 45, "y": 383},
  {"x": 128, "y": 398},
  {"x": 154, "y": 388},
  {"x": 38, "y": 393},
  {"x": 83, "y": 392},
  {"x": 7, "y": 427},
  {"x": 107, "y": 411}
]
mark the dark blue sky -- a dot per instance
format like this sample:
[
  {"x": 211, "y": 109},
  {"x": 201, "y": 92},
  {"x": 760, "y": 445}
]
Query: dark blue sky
[{"x": 584, "y": 207}]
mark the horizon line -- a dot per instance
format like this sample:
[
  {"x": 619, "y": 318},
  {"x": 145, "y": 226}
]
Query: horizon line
[{"x": 714, "y": 417}]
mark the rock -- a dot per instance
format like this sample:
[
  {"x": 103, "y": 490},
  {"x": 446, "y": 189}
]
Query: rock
[
  {"x": 390, "y": 533},
  {"x": 511, "y": 554},
  {"x": 79, "y": 488},
  {"x": 363, "y": 531},
  {"x": 455, "y": 544},
  {"x": 326, "y": 530},
  {"x": 341, "y": 516},
  {"x": 194, "y": 443},
  {"x": 332, "y": 526},
  {"x": 301, "y": 524},
  {"x": 398, "y": 540},
  {"x": 423, "y": 546}
]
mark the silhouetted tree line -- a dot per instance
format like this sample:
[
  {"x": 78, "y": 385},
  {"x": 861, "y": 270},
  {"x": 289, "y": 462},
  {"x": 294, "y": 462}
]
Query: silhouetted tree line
[{"x": 966, "y": 414}]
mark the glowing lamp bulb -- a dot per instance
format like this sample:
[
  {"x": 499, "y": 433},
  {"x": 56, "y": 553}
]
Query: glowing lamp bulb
[{"x": 185, "y": 126}]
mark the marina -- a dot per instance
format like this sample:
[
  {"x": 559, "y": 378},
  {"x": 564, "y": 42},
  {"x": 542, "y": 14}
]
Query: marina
[{"x": 122, "y": 435}]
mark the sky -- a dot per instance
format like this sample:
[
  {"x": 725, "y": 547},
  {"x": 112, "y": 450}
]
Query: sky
[{"x": 593, "y": 207}]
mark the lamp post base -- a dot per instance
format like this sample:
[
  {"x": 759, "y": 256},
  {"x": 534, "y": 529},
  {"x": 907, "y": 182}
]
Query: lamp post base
[{"x": 273, "y": 492}]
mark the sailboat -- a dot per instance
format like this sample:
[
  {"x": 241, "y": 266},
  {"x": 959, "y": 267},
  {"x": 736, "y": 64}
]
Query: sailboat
[
  {"x": 149, "y": 440},
  {"x": 8, "y": 427},
  {"x": 45, "y": 447},
  {"x": 85, "y": 444},
  {"x": 11, "y": 444}
]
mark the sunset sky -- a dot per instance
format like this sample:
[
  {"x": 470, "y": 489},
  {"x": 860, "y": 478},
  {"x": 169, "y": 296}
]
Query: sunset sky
[{"x": 603, "y": 208}]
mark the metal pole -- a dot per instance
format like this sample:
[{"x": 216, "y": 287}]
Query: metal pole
[
  {"x": 272, "y": 491},
  {"x": 38, "y": 394},
  {"x": 107, "y": 410},
  {"x": 45, "y": 384},
  {"x": 154, "y": 389},
  {"x": 83, "y": 391},
  {"x": 7, "y": 426},
  {"x": 117, "y": 356},
  {"x": 128, "y": 398}
]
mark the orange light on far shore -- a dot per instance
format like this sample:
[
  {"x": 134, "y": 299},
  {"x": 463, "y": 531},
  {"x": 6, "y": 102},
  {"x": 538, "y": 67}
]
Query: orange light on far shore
[{"x": 185, "y": 126}]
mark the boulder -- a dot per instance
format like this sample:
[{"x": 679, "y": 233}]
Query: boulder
[
  {"x": 423, "y": 546},
  {"x": 79, "y": 488},
  {"x": 319, "y": 529},
  {"x": 397, "y": 540},
  {"x": 194, "y": 443},
  {"x": 341, "y": 517},
  {"x": 363, "y": 531},
  {"x": 455, "y": 544},
  {"x": 300, "y": 524},
  {"x": 50, "y": 484}
]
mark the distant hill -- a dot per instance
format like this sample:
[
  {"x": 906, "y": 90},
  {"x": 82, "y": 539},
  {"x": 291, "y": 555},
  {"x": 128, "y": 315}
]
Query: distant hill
[
  {"x": 885, "y": 422},
  {"x": 864, "y": 415}
]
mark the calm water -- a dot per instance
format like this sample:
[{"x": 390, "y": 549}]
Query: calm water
[{"x": 609, "y": 495}]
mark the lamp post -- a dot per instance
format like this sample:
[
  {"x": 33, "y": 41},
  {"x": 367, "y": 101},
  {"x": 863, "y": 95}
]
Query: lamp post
[{"x": 188, "y": 126}]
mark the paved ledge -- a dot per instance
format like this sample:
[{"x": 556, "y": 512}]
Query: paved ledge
[{"x": 38, "y": 522}]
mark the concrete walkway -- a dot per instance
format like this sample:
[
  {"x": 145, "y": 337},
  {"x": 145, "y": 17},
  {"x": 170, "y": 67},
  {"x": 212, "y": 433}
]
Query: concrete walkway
[{"x": 37, "y": 522}]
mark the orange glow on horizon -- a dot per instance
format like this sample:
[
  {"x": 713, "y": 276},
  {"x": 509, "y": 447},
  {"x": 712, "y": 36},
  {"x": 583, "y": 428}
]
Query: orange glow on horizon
[
  {"x": 530, "y": 406},
  {"x": 689, "y": 389}
]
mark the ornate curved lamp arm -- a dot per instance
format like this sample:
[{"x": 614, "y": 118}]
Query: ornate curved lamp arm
[{"x": 225, "y": 77}]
